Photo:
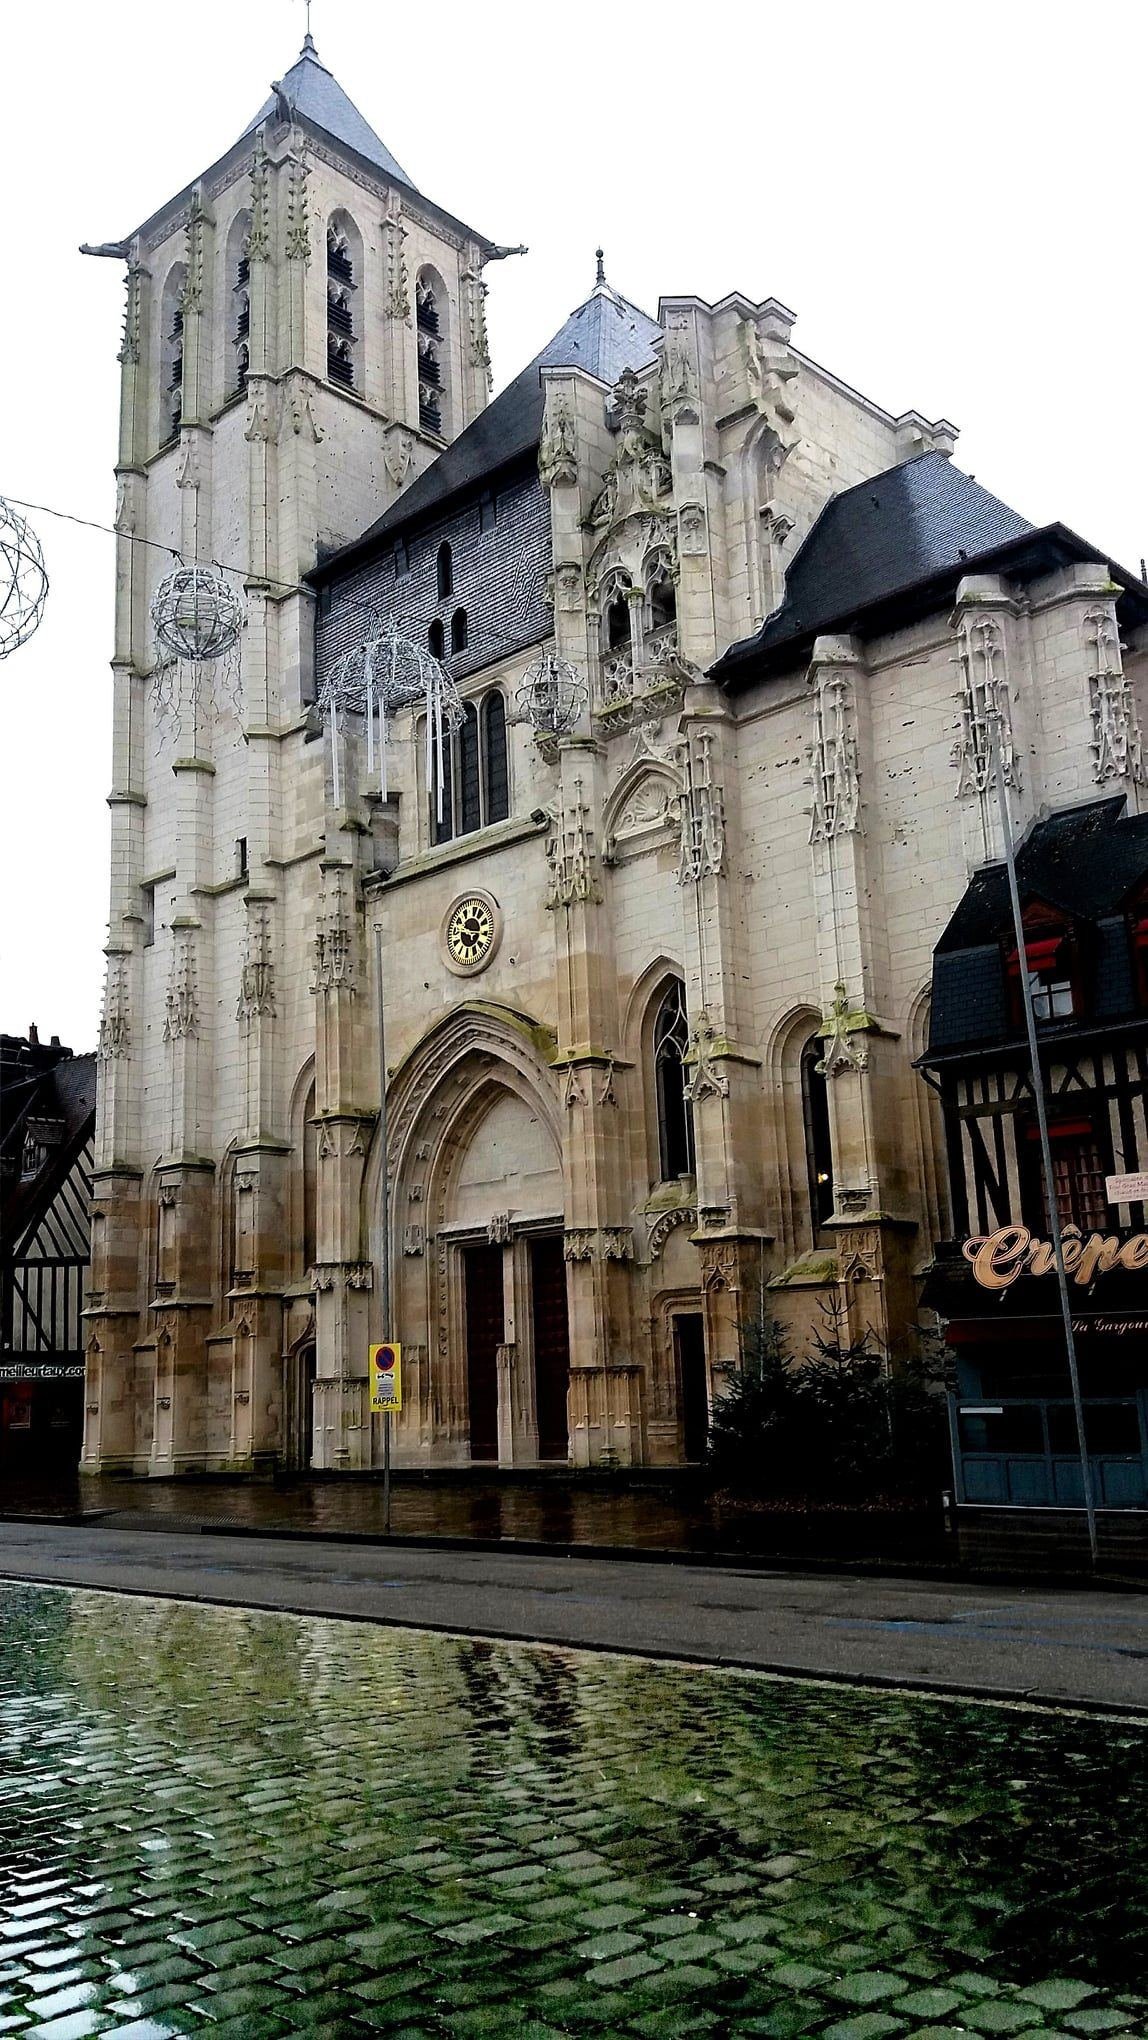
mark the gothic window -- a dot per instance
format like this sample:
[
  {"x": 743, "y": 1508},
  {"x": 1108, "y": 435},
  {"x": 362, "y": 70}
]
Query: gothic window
[
  {"x": 458, "y": 633},
  {"x": 344, "y": 260},
  {"x": 496, "y": 774},
  {"x": 818, "y": 1135},
  {"x": 675, "y": 1113},
  {"x": 444, "y": 571},
  {"x": 171, "y": 355},
  {"x": 661, "y": 596},
  {"x": 436, "y": 639},
  {"x": 616, "y": 616},
  {"x": 433, "y": 352},
  {"x": 237, "y": 305},
  {"x": 476, "y": 776}
]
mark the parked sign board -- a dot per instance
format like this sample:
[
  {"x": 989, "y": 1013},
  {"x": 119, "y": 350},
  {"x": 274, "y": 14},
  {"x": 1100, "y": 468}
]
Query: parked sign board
[{"x": 386, "y": 1362}]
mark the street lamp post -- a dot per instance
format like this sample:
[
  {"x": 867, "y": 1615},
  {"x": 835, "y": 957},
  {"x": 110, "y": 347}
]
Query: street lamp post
[{"x": 993, "y": 719}]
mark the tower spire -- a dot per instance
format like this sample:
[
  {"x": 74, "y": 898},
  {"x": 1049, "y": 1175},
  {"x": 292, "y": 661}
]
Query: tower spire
[
  {"x": 308, "y": 48},
  {"x": 601, "y": 261}
]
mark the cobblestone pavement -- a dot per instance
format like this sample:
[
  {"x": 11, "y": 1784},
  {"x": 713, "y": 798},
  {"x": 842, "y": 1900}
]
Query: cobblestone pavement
[{"x": 216, "y": 1819}]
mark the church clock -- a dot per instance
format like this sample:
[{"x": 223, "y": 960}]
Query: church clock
[{"x": 471, "y": 932}]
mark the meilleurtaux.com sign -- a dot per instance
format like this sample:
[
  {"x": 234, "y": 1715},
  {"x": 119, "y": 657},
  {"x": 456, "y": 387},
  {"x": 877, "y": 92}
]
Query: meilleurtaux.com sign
[{"x": 999, "y": 1258}]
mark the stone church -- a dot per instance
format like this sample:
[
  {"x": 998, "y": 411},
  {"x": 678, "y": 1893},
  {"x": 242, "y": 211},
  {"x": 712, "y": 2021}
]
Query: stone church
[{"x": 655, "y": 990}]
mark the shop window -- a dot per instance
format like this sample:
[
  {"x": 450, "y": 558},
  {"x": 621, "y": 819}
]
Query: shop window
[
  {"x": 818, "y": 1133},
  {"x": 675, "y": 1113},
  {"x": 1108, "y": 1427},
  {"x": 1013, "y": 1428}
]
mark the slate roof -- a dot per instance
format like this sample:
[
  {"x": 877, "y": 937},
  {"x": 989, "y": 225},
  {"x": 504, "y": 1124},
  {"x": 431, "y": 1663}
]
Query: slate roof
[
  {"x": 1083, "y": 860},
  {"x": 320, "y": 98},
  {"x": 913, "y": 524},
  {"x": 39, "y": 1082},
  {"x": 604, "y": 336}
]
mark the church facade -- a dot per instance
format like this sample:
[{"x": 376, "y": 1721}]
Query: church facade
[{"x": 655, "y": 990}]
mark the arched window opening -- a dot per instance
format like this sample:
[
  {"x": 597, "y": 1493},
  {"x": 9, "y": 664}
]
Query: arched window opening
[
  {"x": 458, "y": 633},
  {"x": 615, "y": 629},
  {"x": 431, "y": 341},
  {"x": 339, "y": 264},
  {"x": 444, "y": 571},
  {"x": 339, "y": 318},
  {"x": 475, "y": 771},
  {"x": 494, "y": 757},
  {"x": 436, "y": 639},
  {"x": 237, "y": 304},
  {"x": 661, "y": 597},
  {"x": 818, "y": 1134},
  {"x": 340, "y": 366},
  {"x": 426, "y": 308},
  {"x": 675, "y": 1113},
  {"x": 171, "y": 355},
  {"x": 469, "y": 776}
]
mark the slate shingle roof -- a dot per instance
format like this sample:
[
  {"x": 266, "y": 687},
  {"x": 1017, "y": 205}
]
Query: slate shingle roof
[
  {"x": 915, "y": 523},
  {"x": 1084, "y": 860},
  {"x": 604, "y": 336},
  {"x": 320, "y": 98}
]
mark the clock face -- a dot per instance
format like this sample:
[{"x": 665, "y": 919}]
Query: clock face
[{"x": 470, "y": 932}]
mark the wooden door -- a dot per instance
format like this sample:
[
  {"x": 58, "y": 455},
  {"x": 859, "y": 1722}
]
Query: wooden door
[
  {"x": 693, "y": 1397},
  {"x": 551, "y": 1345},
  {"x": 484, "y": 1333}
]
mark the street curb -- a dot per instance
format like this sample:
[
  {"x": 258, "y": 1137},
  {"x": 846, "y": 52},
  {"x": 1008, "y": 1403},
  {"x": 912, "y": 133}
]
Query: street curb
[{"x": 874, "y": 1682}]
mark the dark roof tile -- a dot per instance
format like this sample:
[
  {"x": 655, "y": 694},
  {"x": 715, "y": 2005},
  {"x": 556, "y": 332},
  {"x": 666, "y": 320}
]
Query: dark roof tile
[
  {"x": 320, "y": 98},
  {"x": 1083, "y": 860}
]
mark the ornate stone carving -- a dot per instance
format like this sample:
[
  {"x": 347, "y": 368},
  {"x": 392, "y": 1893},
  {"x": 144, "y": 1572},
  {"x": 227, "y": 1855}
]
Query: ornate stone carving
[
  {"x": 125, "y": 517},
  {"x": 692, "y": 542},
  {"x": 1117, "y": 751},
  {"x": 570, "y": 854},
  {"x": 572, "y": 1091},
  {"x": 297, "y": 413},
  {"x": 498, "y": 1229},
  {"x": 257, "y": 972},
  {"x": 679, "y": 381},
  {"x": 701, "y": 811},
  {"x": 771, "y": 375},
  {"x": 567, "y": 584},
  {"x": 843, "y": 1035},
  {"x": 187, "y": 474},
  {"x": 334, "y": 937},
  {"x": 706, "y": 1081},
  {"x": 412, "y": 1241},
  {"x": 558, "y": 446},
  {"x": 648, "y": 806},
  {"x": 984, "y": 693},
  {"x": 262, "y": 413},
  {"x": 775, "y": 525},
  {"x": 328, "y": 1275},
  {"x": 133, "y": 313},
  {"x": 396, "y": 285},
  {"x": 298, "y": 239},
  {"x": 191, "y": 295},
  {"x": 719, "y": 1264},
  {"x": 834, "y": 757},
  {"x": 259, "y": 238},
  {"x": 181, "y": 1000},
  {"x": 666, "y": 1223},
  {"x": 617, "y": 1243},
  {"x": 638, "y": 477},
  {"x": 115, "y": 1029},
  {"x": 474, "y": 303},
  {"x": 578, "y": 1243},
  {"x": 398, "y": 455}
]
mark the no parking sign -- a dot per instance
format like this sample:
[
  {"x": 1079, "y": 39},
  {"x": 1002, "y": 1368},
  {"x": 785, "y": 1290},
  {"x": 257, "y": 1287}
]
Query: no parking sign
[{"x": 386, "y": 1363}]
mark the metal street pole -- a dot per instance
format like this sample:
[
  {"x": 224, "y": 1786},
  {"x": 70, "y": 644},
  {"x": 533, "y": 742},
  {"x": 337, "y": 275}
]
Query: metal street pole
[
  {"x": 993, "y": 720},
  {"x": 385, "y": 1216}
]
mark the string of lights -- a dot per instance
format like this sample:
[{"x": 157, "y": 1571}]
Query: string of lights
[{"x": 157, "y": 545}]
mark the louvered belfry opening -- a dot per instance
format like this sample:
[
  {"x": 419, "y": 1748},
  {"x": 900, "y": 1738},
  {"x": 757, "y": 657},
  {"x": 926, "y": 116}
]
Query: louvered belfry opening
[{"x": 340, "y": 310}]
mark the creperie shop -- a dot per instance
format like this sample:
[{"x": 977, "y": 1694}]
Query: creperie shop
[{"x": 999, "y": 1259}]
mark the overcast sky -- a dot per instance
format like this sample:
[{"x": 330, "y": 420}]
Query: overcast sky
[{"x": 950, "y": 197}]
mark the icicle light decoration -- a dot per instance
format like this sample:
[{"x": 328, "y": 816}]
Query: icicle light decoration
[
  {"x": 198, "y": 622},
  {"x": 383, "y": 673}
]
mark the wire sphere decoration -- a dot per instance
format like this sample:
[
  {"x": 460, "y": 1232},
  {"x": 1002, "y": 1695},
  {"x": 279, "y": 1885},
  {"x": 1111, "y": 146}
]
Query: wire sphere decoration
[
  {"x": 23, "y": 580},
  {"x": 551, "y": 695},
  {"x": 196, "y": 616},
  {"x": 384, "y": 672}
]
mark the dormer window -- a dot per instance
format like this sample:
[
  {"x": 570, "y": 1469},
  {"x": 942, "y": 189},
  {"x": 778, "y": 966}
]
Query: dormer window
[{"x": 1051, "y": 967}]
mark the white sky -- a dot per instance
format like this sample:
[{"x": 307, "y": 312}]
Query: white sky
[{"x": 950, "y": 196}]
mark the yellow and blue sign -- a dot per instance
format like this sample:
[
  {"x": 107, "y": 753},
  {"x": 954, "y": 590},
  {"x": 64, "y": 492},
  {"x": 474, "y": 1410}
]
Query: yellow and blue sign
[{"x": 386, "y": 1377}]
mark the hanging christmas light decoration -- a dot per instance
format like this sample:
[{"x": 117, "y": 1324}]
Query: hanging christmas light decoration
[
  {"x": 23, "y": 580},
  {"x": 384, "y": 672},
  {"x": 551, "y": 695},
  {"x": 198, "y": 620}
]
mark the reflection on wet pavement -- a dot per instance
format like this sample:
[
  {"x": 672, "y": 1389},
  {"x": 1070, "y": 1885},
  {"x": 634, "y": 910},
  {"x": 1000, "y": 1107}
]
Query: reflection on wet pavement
[{"x": 219, "y": 1820}]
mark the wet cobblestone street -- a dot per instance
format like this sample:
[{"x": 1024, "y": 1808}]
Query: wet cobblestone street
[{"x": 252, "y": 1824}]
